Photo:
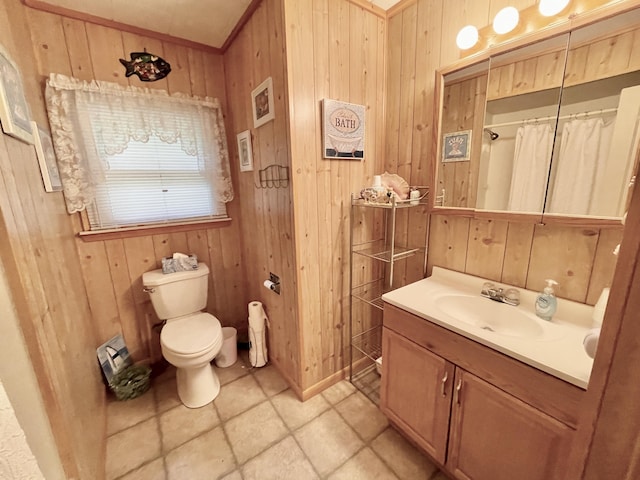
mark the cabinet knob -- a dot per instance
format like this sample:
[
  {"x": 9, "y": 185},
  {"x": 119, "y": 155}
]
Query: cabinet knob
[
  {"x": 443, "y": 383},
  {"x": 458, "y": 388}
]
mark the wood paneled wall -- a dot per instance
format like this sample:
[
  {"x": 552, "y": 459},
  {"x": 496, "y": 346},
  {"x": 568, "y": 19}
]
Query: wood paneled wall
[
  {"x": 39, "y": 255},
  {"x": 335, "y": 49},
  {"x": 258, "y": 52},
  {"x": 421, "y": 40},
  {"x": 112, "y": 269}
]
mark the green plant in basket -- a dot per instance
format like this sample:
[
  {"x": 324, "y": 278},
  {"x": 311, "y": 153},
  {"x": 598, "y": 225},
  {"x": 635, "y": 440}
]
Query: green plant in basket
[{"x": 131, "y": 382}]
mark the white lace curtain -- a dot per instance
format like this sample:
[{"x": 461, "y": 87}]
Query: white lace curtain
[{"x": 91, "y": 121}]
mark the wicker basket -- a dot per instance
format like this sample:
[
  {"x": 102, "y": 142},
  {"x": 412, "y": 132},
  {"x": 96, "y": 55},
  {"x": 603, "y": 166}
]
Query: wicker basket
[{"x": 131, "y": 382}]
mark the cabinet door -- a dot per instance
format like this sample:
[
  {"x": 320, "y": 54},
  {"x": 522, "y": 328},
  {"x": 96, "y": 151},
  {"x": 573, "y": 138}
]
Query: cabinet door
[
  {"x": 416, "y": 392},
  {"x": 495, "y": 436}
]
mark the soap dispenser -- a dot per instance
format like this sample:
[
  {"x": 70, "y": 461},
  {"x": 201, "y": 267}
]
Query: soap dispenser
[{"x": 546, "y": 301}]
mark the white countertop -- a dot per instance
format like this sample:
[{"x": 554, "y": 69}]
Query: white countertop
[{"x": 558, "y": 350}]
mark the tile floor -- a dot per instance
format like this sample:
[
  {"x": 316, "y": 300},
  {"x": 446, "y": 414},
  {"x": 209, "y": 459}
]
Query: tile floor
[{"x": 257, "y": 429}]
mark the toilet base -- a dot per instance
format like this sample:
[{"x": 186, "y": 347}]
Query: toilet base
[{"x": 197, "y": 386}]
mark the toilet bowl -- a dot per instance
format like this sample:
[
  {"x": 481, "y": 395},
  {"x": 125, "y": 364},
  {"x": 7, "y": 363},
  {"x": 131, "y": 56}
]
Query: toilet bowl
[
  {"x": 190, "y": 338},
  {"x": 190, "y": 343}
]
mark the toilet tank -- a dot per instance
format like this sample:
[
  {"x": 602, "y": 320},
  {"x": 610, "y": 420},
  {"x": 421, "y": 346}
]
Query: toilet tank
[{"x": 177, "y": 294}]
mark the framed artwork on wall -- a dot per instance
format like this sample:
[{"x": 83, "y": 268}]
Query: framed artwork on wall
[
  {"x": 342, "y": 130},
  {"x": 245, "y": 152},
  {"x": 14, "y": 110},
  {"x": 46, "y": 158},
  {"x": 262, "y": 103},
  {"x": 456, "y": 146}
]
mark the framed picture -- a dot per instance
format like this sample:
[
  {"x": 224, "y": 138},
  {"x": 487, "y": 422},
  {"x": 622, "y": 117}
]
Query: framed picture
[
  {"x": 456, "y": 146},
  {"x": 262, "y": 103},
  {"x": 342, "y": 130},
  {"x": 244, "y": 151},
  {"x": 46, "y": 158},
  {"x": 14, "y": 110}
]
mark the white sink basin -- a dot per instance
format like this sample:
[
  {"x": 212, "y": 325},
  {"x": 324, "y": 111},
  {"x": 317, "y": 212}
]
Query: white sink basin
[{"x": 490, "y": 316}]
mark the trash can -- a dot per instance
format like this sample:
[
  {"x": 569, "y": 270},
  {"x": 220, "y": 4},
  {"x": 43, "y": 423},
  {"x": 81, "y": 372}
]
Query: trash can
[{"x": 229, "y": 351}]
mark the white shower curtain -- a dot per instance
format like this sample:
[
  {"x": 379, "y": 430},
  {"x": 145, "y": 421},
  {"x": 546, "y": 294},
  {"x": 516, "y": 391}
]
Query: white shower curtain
[
  {"x": 531, "y": 159},
  {"x": 583, "y": 151}
]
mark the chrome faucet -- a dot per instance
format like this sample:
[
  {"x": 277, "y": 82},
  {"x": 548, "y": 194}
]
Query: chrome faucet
[{"x": 510, "y": 296}]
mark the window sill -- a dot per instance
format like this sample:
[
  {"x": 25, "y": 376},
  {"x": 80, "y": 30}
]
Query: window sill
[{"x": 143, "y": 231}]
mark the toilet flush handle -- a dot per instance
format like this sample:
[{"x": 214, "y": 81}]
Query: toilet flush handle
[{"x": 148, "y": 290}]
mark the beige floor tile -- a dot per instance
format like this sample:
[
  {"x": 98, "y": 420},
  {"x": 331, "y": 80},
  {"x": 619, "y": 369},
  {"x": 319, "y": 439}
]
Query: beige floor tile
[
  {"x": 338, "y": 392},
  {"x": 235, "y": 475},
  {"x": 403, "y": 458},
  {"x": 364, "y": 466},
  {"x": 203, "y": 458},
  {"x": 130, "y": 448},
  {"x": 270, "y": 380},
  {"x": 166, "y": 394},
  {"x": 296, "y": 413},
  {"x": 284, "y": 461},
  {"x": 328, "y": 442},
  {"x": 239, "y": 369},
  {"x": 238, "y": 396},
  {"x": 254, "y": 430},
  {"x": 181, "y": 424},
  {"x": 125, "y": 414},
  {"x": 151, "y": 471},
  {"x": 363, "y": 415}
]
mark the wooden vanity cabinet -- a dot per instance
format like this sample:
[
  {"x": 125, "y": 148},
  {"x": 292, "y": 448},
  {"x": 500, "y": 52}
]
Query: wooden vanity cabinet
[
  {"x": 416, "y": 392},
  {"x": 475, "y": 429}
]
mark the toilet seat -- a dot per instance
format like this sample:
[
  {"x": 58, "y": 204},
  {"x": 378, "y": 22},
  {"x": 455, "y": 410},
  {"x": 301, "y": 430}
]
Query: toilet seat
[{"x": 191, "y": 335}]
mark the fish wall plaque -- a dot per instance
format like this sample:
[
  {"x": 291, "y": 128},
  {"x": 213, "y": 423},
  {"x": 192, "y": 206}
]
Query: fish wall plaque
[{"x": 147, "y": 66}]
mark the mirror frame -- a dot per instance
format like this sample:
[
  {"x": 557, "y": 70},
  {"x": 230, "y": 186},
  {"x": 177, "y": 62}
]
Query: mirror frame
[{"x": 574, "y": 22}]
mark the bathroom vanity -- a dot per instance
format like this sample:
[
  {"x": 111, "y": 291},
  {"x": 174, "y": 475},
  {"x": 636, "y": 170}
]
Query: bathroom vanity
[{"x": 485, "y": 403}]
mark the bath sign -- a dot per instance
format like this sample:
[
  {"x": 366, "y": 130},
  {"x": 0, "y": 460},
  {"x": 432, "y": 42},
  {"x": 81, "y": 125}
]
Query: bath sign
[{"x": 343, "y": 130}]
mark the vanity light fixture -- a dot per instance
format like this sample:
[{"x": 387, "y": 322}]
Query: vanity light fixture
[
  {"x": 548, "y": 8},
  {"x": 506, "y": 20},
  {"x": 467, "y": 37}
]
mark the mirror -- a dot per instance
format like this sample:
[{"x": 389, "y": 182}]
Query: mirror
[
  {"x": 464, "y": 94},
  {"x": 523, "y": 96},
  {"x": 598, "y": 125},
  {"x": 513, "y": 127}
]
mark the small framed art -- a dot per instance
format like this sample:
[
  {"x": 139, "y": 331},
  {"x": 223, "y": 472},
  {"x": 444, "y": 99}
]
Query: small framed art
[
  {"x": 46, "y": 158},
  {"x": 456, "y": 146},
  {"x": 343, "y": 128},
  {"x": 262, "y": 103},
  {"x": 14, "y": 110},
  {"x": 245, "y": 152}
]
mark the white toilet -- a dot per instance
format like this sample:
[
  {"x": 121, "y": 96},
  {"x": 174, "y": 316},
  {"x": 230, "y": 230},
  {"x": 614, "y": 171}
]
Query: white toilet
[{"x": 190, "y": 339}]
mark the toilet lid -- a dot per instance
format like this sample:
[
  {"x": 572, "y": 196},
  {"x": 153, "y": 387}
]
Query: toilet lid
[{"x": 191, "y": 334}]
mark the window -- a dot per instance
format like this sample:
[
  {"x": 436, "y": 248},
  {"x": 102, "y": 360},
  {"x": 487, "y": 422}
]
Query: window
[{"x": 136, "y": 157}]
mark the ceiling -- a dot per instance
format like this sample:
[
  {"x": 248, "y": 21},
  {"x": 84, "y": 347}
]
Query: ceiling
[{"x": 208, "y": 22}]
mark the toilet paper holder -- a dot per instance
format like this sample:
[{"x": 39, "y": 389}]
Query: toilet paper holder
[{"x": 273, "y": 283}]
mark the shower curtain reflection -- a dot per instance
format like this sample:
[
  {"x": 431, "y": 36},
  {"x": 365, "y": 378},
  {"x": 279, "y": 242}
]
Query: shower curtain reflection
[{"x": 534, "y": 144}]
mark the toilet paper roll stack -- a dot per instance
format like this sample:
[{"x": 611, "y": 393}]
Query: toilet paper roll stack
[{"x": 257, "y": 334}]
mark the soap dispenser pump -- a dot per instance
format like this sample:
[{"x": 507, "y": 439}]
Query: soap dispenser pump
[{"x": 546, "y": 301}]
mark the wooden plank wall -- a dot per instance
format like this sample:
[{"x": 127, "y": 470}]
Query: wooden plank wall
[
  {"x": 38, "y": 252},
  {"x": 521, "y": 254},
  {"x": 112, "y": 269},
  {"x": 335, "y": 49},
  {"x": 257, "y": 53}
]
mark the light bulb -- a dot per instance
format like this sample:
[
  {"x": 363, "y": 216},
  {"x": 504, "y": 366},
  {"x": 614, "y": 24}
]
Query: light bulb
[
  {"x": 506, "y": 20},
  {"x": 548, "y": 8},
  {"x": 467, "y": 37}
]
